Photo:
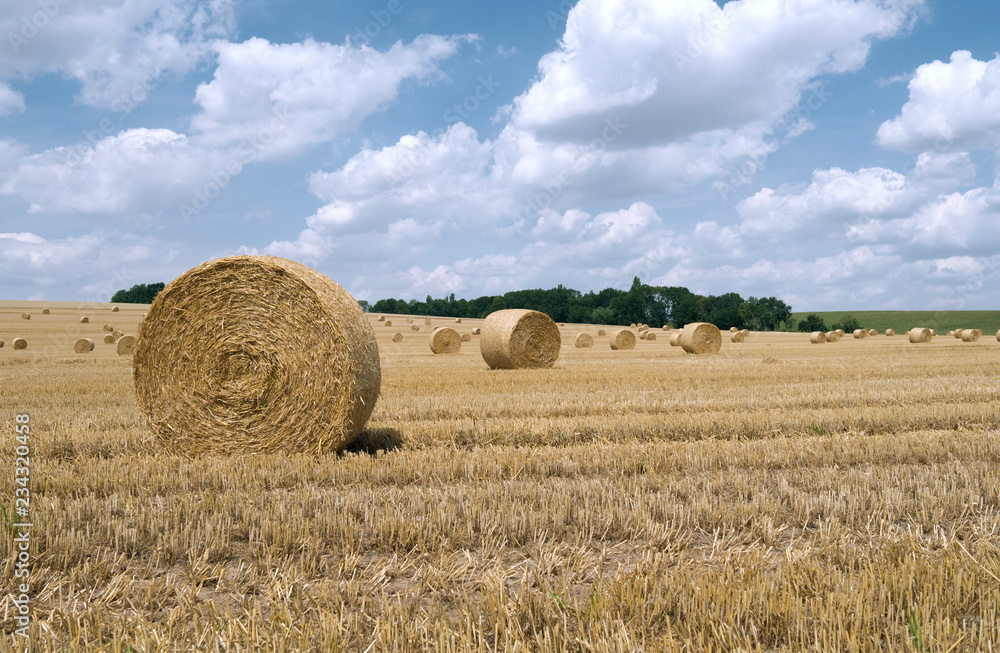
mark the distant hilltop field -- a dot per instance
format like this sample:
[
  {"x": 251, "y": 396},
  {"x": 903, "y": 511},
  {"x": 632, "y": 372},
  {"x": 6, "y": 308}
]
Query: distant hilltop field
[{"x": 903, "y": 321}]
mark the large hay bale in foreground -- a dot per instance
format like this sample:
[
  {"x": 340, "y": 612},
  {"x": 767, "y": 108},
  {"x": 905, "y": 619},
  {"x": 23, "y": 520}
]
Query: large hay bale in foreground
[
  {"x": 584, "y": 341},
  {"x": 217, "y": 369},
  {"x": 125, "y": 346},
  {"x": 701, "y": 338},
  {"x": 445, "y": 340},
  {"x": 970, "y": 335},
  {"x": 919, "y": 335},
  {"x": 516, "y": 338},
  {"x": 83, "y": 345},
  {"x": 20, "y": 343},
  {"x": 109, "y": 339},
  {"x": 622, "y": 340},
  {"x": 817, "y": 337},
  {"x": 890, "y": 332},
  {"x": 737, "y": 336}
]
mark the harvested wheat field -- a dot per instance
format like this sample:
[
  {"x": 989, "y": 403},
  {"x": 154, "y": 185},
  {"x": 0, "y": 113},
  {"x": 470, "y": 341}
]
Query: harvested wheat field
[{"x": 773, "y": 496}]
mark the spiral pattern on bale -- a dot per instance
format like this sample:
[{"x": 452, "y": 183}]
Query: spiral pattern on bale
[
  {"x": 516, "y": 338},
  {"x": 919, "y": 335},
  {"x": 20, "y": 343},
  {"x": 817, "y": 337},
  {"x": 109, "y": 339},
  {"x": 125, "y": 345},
  {"x": 445, "y": 340},
  {"x": 584, "y": 341},
  {"x": 622, "y": 339},
  {"x": 971, "y": 335},
  {"x": 254, "y": 354},
  {"x": 737, "y": 336},
  {"x": 701, "y": 338},
  {"x": 83, "y": 345},
  {"x": 860, "y": 333},
  {"x": 397, "y": 337}
]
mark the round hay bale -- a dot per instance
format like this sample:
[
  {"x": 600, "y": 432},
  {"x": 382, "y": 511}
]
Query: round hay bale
[
  {"x": 427, "y": 321},
  {"x": 114, "y": 309},
  {"x": 445, "y": 340},
  {"x": 622, "y": 339},
  {"x": 409, "y": 320},
  {"x": 381, "y": 318},
  {"x": 998, "y": 336},
  {"x": 584, "y": 341},
  {"x": 970, "y": 335},
  {"x": 388, "y": 323},
  {"x": 650, "y": 336},
  {"x": 83, "y": 345},
  {"x": 45, "y": 311},
  {"x": 25, "y": 316},
  {"x": 832, "y": 336},
  {"x": 745, "y": 332},
  {"x": 957, "y": 333},
  {"x": 117, "y": 334},
  {"x": 642, "y": 335},
  {"x": 841, "y": 332},
  {"x": 701, "y": 338},
  {"x": 873, "y": 332},
  {"x": 217, "y": 370},
  {"x": 817, "y": 337},
  {"x": 890, "y": 332},
  {"x": 108, "y": 328},
  {"x": 602, "y": 332},
  {"x": 632, "y": 326},
  {"x": 476, "y": 331},
  {"x": 20, "y": 343},
  {"x": 737, "y": 336},
  {"x": 516, "y": 338},
  {"x": 675, "y": 339},
  {"x": 84, "y": 320},
  {"x": 1, "y": 343},
  {"x": 860, "y": 333},
  {"x": 397, "y": 337},
  {"x": 933, "y": 332},
  {"x": 466, "y": 337},
  {"x": 125, "y": 346},
  {"x": 109, "y": 339},
  {"x": 458, "y": 320},
  {"x": 919, "y": 335},
  {"x": 414, "y": 327},
  {"x": 733, "y": 330}
]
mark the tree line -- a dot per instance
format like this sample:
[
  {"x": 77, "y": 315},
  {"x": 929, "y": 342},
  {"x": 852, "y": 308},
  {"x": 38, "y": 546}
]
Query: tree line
[{"x": 656, "y": 306}]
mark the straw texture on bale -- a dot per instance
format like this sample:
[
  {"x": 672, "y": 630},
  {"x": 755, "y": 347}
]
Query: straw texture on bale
[
  {"x": 83, "y": 345},
  {"x": 733, "y": 329},
  {"x": 650, "y": 336},
  {"x": 584, "y": 341},
  {"x": 45, "y": 311},
  {"x": 109, "y": 339},
  {"x": 476, "y": 331},
  {"x": 108, "y": 328},
  {"x": 20, "y": 343},
  {"x": 970, "y": 335},
  {"x": 701, "y": 338},
  {"x": 445, "y": 340},
  {"x": 458, "y": 320},
  {"x": 602, "y": 332},
  {"x": 254, "y": 354},
  {"x": 957, "y": 333},
  {"x": 622, "y": 339},
  {"x": 919, "y": 335},
  {"x": 397, "y": 337},
  {"x": 890, "y": 332},
  {"x": 675, "y": 339},
  {"x": 642, "y": 335},
  {"x": 125, "y": 346},
  {"x": 737, "y": 336},
  {"x": 745, "y": 332},
  {"x": 517, "y": 338},
  {"x": 84, "y": 320},
  {"x": 873, "y": 332},
  {"x": 817, "y": 337},
  {"x": 25, "y": 316},
  {"x": 832, "y": 336},
  {"x": 466, "y": 337},
  {"x": 114, "y": 309},
  {"x": 860, "y": 333},
  {"x": 841, "y": 332}
]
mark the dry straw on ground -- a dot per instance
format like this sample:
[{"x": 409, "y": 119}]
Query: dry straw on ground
[
  {"x": 218, "y": 369},
  {"x": 919, "y": 335},
  {"x": 622, "y": 339},
  {"x": 109, "y": 339},
  {"x": 584, "y": 341},
  {"x": 83, "y": 345},
  {"x": 817, "y": 337},
  {"x": 890, "y": 332},
  {"x": 701, "y": 338},
  {"x": 427, "y": 321},
  {"x": 397, "y": 337},
  {"x": 737, "y": 336},
  {"x": 125, "y": 346},
  {"x": 516, "y": 338},
  {"x": 20, "y": 343},
  {"x": 445, "y": 340}
]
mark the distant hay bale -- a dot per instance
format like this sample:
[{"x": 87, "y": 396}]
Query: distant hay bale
[
  {"x": 970, "y": 335},
  {"x": 117, "y": 334},
  {"x": 675, "y": 339},
  {"x": 562, "y": 324},
  {"x": 108, "y": 328},
  {"x": 109, "y": 339},
  {"x": 381, "y": 318},
  {"x": 125, "y": 346},
  {"x": 737, "y": 336},
  {"x": 841, "y": 332},
  {"x": 622, "y": 339},
  {"x": 427, "y": 321},
  {"x": 733, "y": 329},
  {"x": 114, "y": 309},
  {"x": 584, "y": 341},
  {"x": 83, "y": 345},
  {"x": 409, "y": 320},
  {"x": 890, "y": 332},
  {"x": 832, "y": 336},
  {"x": 602, "y": 332},
  {"x": 957, "y": 333},
  {"x": 650, "y": 336},
  {"x": 745, "y": 332},
  {"x": 466, "y": 337},
  {"x": 919, "y": 335},
  {"x": 445, "y": 340},
  {"x": 218, "y": 370},
  {"x": 20, "y": 343},
  {"x": 388, "y": 323},
  {"x": 1, "y": 343},
  {"x": 642, "y": 335},
  {"x": 516, "y": 338},
  {"x": 397, "y": 337},
  {"x": 998, "y": 336},
  {"x": 933, "y": 332},
  {"x": 84, "y": 320},
  {"x": 25, "y": 316},
  {"x": 45, "y": 311},
  {"x": 632, "y": 326},
  {"x": 414, "y": 327},
  {"x": 701, "y": 338},
  {"x": 817, "y": 337},
  {"x": 476, "y": 331},
  {"x": 873, "y": 332},
  {"x": 860, "y": 333},
  {"x": 458, "y": 320}
]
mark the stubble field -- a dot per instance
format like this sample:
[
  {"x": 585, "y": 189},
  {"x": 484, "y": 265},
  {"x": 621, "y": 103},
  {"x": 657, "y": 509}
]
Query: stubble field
[{"x": 778, "y": 496}]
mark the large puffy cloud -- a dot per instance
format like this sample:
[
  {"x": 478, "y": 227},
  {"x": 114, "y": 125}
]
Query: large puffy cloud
[
  {"x": 952, "y": 106},
  {"x": 300, "y": 94},
  {"x": 681, "y": 68},
  {"x": 116, "y": 49}
]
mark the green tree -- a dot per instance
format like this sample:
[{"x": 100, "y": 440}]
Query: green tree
[
  {"x": 812, "y": 322},
  {"x": 848, "y": 323},
  {"x": 140, "y": 293}
]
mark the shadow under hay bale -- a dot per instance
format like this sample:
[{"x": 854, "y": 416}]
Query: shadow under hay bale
[{"x": 372, "y": 441}]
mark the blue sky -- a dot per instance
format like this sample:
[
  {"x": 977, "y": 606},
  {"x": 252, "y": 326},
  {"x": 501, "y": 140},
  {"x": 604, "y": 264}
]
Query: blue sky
[{"x": 838, "y": 154}]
